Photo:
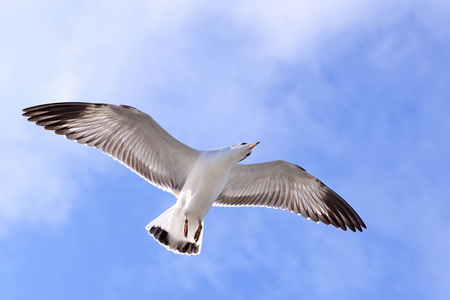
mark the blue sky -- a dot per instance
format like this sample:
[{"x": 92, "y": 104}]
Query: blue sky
[{"x": 356, "y": 92}]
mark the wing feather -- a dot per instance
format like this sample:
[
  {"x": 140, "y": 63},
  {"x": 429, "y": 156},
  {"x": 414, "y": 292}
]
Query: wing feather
[
  {"x": 126, "y": 134},
  {"x": 283, "y": 185}
]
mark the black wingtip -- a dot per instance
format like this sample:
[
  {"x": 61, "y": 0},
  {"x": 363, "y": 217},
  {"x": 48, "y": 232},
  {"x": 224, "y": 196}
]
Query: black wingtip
[{"x": 344, "y": 215}]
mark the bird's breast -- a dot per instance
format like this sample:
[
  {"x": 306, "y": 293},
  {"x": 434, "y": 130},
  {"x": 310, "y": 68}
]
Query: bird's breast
[{"x": 203, "y": 185}]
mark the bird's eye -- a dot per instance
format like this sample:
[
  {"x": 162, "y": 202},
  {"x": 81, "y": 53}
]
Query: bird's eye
[{"x": 244, "y": 144}]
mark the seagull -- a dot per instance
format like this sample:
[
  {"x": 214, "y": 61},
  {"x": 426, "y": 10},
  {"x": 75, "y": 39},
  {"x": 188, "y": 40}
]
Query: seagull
[{"x": 198, "y": 179}]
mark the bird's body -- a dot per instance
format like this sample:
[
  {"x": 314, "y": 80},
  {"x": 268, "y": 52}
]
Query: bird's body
[
  {"x": 203, "y": 186},
  {"x": 205, "y": 182},
  {"x": 199, "y": 179}
]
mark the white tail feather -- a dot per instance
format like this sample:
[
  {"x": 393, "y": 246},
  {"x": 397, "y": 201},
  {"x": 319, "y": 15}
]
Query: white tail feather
[{"x": 169, "y": 230}]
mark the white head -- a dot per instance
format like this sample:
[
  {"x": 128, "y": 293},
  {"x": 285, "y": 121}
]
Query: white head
[{"x": 243, "y": 150}]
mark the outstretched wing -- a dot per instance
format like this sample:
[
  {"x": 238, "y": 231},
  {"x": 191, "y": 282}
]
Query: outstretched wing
[
  {"x": 283, "y": 185},
  {"x": 126, "y": 134}
]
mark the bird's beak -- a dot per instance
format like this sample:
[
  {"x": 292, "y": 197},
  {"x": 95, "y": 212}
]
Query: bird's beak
[{"x": 251, "y": 146}]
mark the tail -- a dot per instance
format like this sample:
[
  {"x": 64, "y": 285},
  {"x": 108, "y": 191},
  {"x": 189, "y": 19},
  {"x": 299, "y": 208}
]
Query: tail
[{"x": 176, "y": 234}]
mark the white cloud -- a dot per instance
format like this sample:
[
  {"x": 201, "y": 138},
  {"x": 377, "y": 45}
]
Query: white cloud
[
  {"x": 32, "y": 194},
  {"x": 5, "y": 73},
  {"x": 35, "y": 186},
  {"x": 297, "y": 30}
]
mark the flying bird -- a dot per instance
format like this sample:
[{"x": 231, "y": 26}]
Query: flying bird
[{"x": 198, "y": 179}]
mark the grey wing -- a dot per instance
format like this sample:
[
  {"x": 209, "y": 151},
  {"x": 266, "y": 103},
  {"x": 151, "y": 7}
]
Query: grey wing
[
  {"x": 126, "y": 134},
  {"x": 283, "y": 185}
]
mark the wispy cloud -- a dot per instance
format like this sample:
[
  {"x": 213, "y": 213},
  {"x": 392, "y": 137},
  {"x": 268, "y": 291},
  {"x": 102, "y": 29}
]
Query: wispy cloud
[{"x": 35, "y": 186}]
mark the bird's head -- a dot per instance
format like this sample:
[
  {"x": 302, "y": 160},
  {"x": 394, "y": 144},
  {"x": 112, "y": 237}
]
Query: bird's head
[{"x": 243, "y": 150}]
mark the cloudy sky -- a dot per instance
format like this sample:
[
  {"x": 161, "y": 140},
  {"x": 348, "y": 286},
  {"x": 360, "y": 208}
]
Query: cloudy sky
[{"x": 356, "y": 92}]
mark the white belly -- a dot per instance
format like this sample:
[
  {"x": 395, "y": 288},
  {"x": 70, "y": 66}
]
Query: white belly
[{"x": 204, "y": 184}]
